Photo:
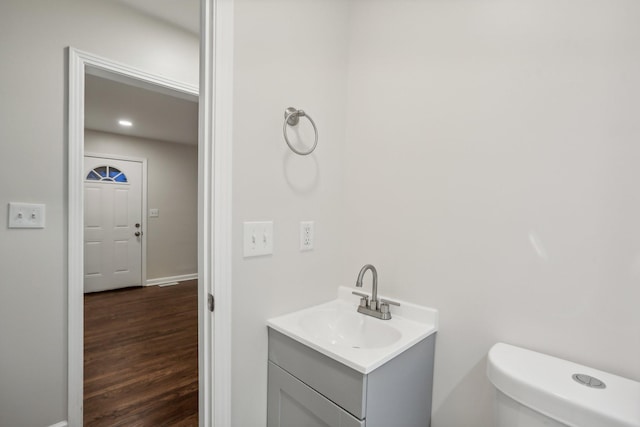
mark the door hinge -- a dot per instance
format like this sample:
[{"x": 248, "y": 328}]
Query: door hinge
[{"x": 211, "y": 301}]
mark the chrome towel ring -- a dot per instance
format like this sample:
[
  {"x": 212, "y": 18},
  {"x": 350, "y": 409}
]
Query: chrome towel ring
[{"x": 292, "y": 118}]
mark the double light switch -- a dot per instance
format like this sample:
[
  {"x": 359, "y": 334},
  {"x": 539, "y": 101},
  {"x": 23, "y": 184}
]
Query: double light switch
[
  {"x": 258, "y": 238},
  {"x": 26, "y": 215}
]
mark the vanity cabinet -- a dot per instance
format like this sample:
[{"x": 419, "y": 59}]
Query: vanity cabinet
[
  {"x": 293, "y": 403},
  {"x": 308, "y": 389}
]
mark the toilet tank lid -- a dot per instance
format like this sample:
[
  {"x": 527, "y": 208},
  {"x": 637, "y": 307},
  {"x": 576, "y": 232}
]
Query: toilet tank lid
[{"x": 545, "y": 384}]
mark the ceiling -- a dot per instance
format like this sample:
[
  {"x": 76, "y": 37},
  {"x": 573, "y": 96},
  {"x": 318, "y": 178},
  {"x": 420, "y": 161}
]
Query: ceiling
[{"x": 155, "y": 115}]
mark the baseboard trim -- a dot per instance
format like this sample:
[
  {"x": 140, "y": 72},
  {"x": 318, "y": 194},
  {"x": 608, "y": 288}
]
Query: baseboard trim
[
  {"x": 60, "y": 424},
  {"x": 163, "y": 280}
]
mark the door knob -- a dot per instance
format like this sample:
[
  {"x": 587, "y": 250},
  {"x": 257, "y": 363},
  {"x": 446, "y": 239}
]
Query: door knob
[{"x": 138, "y": 233}]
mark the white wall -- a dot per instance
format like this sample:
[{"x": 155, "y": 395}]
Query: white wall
[
  {"x": 287, "y": 53},
  {"x": 492, "y": 165},
  {"x": 33, "y": 295},
  {"x": 172, "y": 172}
]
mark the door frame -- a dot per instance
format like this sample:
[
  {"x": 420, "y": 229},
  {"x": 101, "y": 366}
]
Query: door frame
[
  {"x": 215, "y": 150},
  {"x": 214, "y": 209},
  {"x": 144, "y": 216}
]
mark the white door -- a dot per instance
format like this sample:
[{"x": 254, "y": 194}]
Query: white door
[{"x": 112, "y": 224}]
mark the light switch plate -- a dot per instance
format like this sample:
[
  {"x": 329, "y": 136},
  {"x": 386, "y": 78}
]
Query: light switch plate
[
  {"x": 26, "y": 215},
  {"x": 258, "y": 238},
  {"x": 154, "y": 213}
]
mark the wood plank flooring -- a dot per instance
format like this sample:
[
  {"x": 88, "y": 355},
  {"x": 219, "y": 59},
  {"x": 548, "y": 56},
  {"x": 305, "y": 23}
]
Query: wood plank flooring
[{"x": 141, "y": 357}]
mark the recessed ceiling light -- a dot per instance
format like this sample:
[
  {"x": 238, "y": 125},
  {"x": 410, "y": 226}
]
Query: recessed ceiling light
[{"x": 126, "y": 123}]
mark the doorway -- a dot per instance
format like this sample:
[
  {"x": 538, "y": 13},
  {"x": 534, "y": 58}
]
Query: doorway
[
  {"x": 82, "y": 65},
  {"x": 140, "y": 334}
]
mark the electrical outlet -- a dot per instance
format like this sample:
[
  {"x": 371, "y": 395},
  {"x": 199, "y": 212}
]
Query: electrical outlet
[
  {"x": 306, "y": 235},
  {"x": 258, "y": 238}
]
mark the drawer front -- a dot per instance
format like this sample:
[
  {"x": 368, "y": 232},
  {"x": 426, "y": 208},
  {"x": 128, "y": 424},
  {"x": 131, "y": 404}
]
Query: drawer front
[
  {"x": 291, "y": 403},
  {"x": 332, "y": 379}
]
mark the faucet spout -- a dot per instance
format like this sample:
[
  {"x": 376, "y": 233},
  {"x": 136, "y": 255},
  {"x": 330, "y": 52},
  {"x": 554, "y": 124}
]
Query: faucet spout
[
  {"x": 374, "y": 284},
  {"x": 373, "y": 307}
]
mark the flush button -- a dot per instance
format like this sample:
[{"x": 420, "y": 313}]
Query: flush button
[
  {"x": 588, "y": 381},
  {"x": 594, "y": 382}
]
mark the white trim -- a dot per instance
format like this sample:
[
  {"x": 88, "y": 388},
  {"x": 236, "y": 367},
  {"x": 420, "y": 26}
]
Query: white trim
[
  {"x": 116, "y": 157},
  {"x": 183, "y": 92},
  {"x": 216, "y": 107},
  {"x": 60, "y": 424},
  {"x": 75, "y": 255},
  {"x": 144, "y": 218},
  {"x": 79, "y": 63},
  {"x": 163, "y": 280}
]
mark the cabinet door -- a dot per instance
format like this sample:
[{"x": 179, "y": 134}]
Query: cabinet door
[{"x": 291, "y": 403}]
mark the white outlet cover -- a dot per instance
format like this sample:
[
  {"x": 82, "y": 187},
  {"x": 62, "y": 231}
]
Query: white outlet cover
[
  {"x": 306, "y": 235},
  {"x": 154, "y": 213},
  {"x": 26, "y": 215},
  {"x": 258, "y": 238}
]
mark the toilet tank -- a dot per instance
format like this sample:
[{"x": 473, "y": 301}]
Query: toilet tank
[{"x": 535, "y": 389}]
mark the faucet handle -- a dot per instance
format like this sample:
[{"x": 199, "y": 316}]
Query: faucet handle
[
  {"x": 384, "y": 308},
  {"x": 388, "y": 301},
  {"x": 364, "y": 300}
]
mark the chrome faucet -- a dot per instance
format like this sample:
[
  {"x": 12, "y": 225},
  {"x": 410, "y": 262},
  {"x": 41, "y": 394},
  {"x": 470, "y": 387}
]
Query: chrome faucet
[
  {"x": 373, "y": 307},
  {"x": 374, "y": 284}
]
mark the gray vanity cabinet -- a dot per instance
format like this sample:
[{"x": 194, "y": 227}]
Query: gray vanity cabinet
[
  {"x": 294, "y": 404},
  {"x": 308, "y": 389}
]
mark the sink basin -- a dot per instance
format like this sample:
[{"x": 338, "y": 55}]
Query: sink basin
[
  {"x": 348, "y": 329},
  {"x": 361, "y": 342}
]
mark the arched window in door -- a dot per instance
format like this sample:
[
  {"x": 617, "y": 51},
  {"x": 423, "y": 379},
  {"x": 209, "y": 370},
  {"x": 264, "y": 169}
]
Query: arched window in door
[{"x": 106, "y": 173}]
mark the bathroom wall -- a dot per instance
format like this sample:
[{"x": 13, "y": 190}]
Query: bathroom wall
[
  {"x": 33, "y": 290},
  {"x": 492, "y": 168},
  {"x": 172, "y": 171},
  {"x": 287, "y": 53}
]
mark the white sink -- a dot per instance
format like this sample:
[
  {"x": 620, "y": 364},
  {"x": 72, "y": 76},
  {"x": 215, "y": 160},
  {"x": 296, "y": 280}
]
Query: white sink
[
  {"x": 361, "y": 342},
  {"x": 337, "y": 327}
]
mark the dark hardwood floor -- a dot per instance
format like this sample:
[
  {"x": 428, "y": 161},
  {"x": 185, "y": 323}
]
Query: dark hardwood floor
[{"x": 141, "y": 357}]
